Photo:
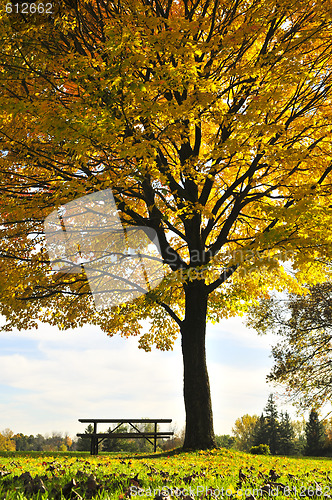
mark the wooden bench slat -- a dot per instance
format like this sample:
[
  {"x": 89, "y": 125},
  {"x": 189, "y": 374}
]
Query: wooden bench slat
[
  {"x": 127, "y": 434},
  {"x": 125, "y": 420}
]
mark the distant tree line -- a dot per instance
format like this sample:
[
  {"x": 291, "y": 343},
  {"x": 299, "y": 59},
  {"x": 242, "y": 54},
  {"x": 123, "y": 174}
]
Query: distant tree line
[
  {"x": 21, "y": 442},
  {"x": 281, "y": 436},
  {"x": 273, "y": 432},
  {"x": 59, "y": 442}
]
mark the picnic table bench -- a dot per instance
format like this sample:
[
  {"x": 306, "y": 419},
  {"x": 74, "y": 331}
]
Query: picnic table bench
[{"x": 98, "y": 437}]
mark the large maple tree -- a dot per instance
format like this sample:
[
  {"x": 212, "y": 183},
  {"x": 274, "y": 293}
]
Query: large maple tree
[{"x": 210, "y": 120}]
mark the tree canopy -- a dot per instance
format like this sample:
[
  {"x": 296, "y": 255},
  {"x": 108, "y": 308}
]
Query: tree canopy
[
  {"x": 243, "y": 431},
  {"x": 211, "y": 123},
  {"x": 303, "y": 356}
]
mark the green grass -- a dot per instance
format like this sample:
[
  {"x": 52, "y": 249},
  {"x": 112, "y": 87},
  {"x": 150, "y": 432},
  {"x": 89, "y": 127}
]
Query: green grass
[{"x": 204, "y": 474}]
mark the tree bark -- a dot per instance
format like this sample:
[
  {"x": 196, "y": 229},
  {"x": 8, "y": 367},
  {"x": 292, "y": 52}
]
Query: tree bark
[{"x": 199, "y": 432}]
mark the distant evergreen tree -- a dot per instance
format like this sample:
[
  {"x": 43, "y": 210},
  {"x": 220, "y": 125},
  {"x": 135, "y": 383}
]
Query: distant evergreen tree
[
  {"x": 260, "y": 432},
  {"x": 84, "y": 444},
  {"x": 275, "y": 430},
  {"x": 315, "y": 435},
  {"x": 277, "y": 433},
  {"x": 110, "y": 444},
  {"x": 286, "y": 435},
  {"x": 272, "y": 425},
  {"x": 21, "y": 442}
]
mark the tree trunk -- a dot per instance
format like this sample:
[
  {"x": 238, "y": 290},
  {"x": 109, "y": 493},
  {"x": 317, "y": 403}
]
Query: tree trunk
[{"x": 197, "y": 399}]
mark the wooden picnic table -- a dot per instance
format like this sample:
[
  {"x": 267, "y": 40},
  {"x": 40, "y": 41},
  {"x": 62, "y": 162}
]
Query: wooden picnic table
[{"x": 97, "y": 437}]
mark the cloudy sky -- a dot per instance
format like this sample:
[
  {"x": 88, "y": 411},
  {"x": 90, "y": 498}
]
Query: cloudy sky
[{"x": 50, "y": 378}]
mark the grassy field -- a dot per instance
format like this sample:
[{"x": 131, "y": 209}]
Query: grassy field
[{"x": 205, "y": 474}]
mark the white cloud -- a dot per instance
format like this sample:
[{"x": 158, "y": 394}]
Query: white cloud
[
  {"x": 86, "y": 374},
  {"x": 49, "y": 378},
  {"x": 235, "y": 328}
]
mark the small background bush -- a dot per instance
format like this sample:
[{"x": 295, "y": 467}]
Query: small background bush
[{"x": 261, "y": 449}]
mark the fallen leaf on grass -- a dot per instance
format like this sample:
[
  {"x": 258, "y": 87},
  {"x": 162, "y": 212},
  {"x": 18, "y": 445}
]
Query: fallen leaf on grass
[{"x": 66, "y": 490}]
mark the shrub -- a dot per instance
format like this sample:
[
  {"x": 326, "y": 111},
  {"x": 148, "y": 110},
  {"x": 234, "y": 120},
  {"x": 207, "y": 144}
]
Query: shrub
[{"x": 261, "y": 449}]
